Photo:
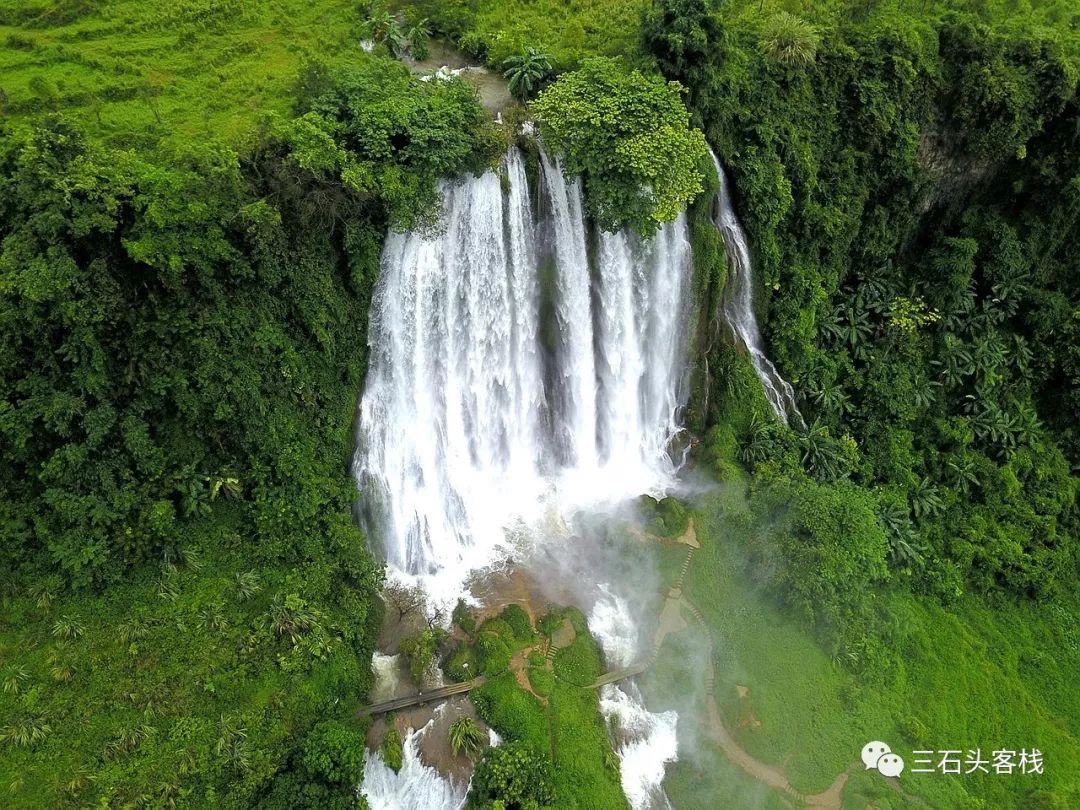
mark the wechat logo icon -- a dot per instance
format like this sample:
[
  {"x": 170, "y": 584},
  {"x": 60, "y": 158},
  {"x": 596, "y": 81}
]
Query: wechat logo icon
[{"x": 877, "y": 756}]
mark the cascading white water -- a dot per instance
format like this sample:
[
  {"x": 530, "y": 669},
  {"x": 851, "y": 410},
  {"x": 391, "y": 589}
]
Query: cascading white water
[
  {"x": 645, "y": 741},
  {"x": 515, "y": 375},
  {"x": 416, "y": 786},
  {"x": 509, "y": 378},
  {"x": 738, "y": 309}
]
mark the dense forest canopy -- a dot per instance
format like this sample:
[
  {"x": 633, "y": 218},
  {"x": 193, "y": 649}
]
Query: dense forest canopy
[{"x": 193, "y": 198}]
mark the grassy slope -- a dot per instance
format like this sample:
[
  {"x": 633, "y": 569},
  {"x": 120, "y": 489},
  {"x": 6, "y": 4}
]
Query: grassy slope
[
  {"x": 142, "y": 71},
  {"x": 964, "y": 677},
  {"x": 140, "y": 703}
]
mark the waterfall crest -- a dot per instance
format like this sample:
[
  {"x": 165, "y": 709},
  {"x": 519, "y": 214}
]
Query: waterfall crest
[
  {"x": 738, "y": 305},
  {"x": 520, "y": 365}
]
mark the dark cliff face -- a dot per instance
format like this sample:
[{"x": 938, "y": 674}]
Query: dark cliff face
[{"x": 952, "y": 173}]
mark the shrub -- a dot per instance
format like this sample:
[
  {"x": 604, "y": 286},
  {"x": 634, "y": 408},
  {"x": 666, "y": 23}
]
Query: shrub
[
  {"x": 514, "y": 775},
  {"x": 629, "y": 136},
  {"x": 391, "y": 750},
  {"x": 517, "y": 620},
  {"x": 542, "y": 680}
]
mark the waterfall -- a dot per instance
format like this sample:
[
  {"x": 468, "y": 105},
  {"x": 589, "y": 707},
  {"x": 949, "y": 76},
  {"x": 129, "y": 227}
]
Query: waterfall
[
  {"x": 738, "y": 306},
  {"x": 521, "y": 366}
]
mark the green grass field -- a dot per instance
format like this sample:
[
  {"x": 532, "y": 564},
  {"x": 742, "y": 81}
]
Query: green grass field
[
  {"x": 970, "y": 676},
  {"x": 165, "y": 71},
  {"x": 985, "y": 672}
]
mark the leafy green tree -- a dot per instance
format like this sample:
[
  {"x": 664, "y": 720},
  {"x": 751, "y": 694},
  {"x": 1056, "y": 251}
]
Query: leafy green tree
[
  {"x": 683, "y": 35},
  {"x": 512, "y": 776},
  {"x": 526, "y": 72},
  {"x": 628, "y": 134},
  {"x": 418, "y": 35}
]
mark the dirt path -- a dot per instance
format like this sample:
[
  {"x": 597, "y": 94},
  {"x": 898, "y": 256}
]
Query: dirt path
[{"x": 671, "y": 621}]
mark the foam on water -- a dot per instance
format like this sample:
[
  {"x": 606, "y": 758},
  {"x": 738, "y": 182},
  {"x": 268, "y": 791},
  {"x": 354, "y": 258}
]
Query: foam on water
[{"x": 416, "y": 786}]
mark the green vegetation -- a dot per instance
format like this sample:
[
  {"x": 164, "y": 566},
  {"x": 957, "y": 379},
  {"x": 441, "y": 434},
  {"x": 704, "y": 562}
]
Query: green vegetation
[
  {"x": 466, "y": 737},
  {"x": 628, "y": 134},
  {"x": 391, "y": 749},
  {"x": 184, "y": 338},
  {"x": 193, "y": 196},
  {"x": 138, "y": 74},
  {"x": 557, "y": 722},
  {"x": 526, "y": 72},
  {"x": 512, "y": 775},
  {"x": 496, "y": 31},
  {"x": 419, "y": 651},
  {"x": 966, "y": 676}
]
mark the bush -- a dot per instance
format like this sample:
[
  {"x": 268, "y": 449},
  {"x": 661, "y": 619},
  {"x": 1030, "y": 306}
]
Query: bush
[
  {"x": 510, "y": 710},
  {"x": 463, "y": 618},
  {"x": 461, "y": 665},
  {"x": 514, "y": 775},
  {"x": 493, "y": 653},
  {"x": 542, "y": 680},
  {"x": 517, "y": 620},
  {"x": 629, "y": 136},
  {"x": 334, "y": 754},
  {"x": 579, "y": 663},
  {"x": 391, "y": 749}
]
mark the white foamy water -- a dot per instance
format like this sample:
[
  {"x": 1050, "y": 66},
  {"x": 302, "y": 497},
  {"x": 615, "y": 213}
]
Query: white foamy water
[
  {"x": 511, "y": 380},
  {"x": 416, "y": 786},
  {"x": 738, "y": 309},
  {"x": 645, "y": 741}
]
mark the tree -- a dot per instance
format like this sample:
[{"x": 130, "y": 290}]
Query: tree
[
  {"x": 513, "y": 776},
  {"x": 404, "y": 599},
  {"x": 628, "y": 134},
  {"x": 466, "y": 737},
  {"x": 789, "y": 40},
  {"x": 682, "y": 35},
  {"x": 526, "y": 72}
]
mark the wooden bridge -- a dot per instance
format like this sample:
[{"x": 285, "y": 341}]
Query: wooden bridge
[
  {"x": 444, "y": 692},
  {"x": 620, "y": 674},
  {"x": 434, "y": 696}
]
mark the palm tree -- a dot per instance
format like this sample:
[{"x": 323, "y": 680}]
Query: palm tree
[
  {"x": 956, "y": 361},
  {"x": 833, "y": 399},
  {"x": 247, "y": 584},
  {"x": 852, "y": 326},
  {"x": 466, "y": 736},
  {"x": 67, "y": 627},
  {"x": 526, "y": 72},
  {"x": 418, "y": 36},
  {"x": 13, "y": 678},
  {"x": 962, "y": 471},
  {"x": 904, "y": 549},
  {"x": 820, "y": 454},
  {"x": 382, "y": 28},
  {"x": 925, "y": 499},
  {"x": 790, "y": 40},
  {"x": 761, "y": 444}
]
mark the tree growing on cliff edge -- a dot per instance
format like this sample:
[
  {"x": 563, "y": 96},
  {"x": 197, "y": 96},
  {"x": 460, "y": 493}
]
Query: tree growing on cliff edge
[
  {"x": 628, "y": 135},
  {"x": 526, "y": 72}
]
